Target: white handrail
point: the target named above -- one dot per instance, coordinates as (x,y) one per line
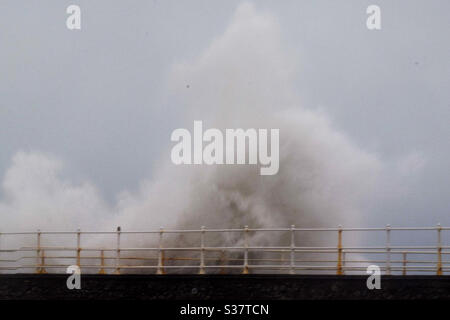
(236,255)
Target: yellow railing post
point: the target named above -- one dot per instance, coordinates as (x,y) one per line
(118,251)
(292,257)
(339,261)
(78,248)
(42,270)
(102,262)
(388,249)
(38,252)
(343,261)
(404,264)
(160,269)
(439,250)
(163,261)
(202,251)
(223,261)
(245,270)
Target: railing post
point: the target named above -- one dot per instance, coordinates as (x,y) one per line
(118,251)
(102,262)
(42,262)
(78,248)
(292,267)
(245,270)
(202,251)
(404,264)
(38,252)
(222,262)
(0,243)
(388,249)
(439,250)
(339,261)
(160,269)
(343,261)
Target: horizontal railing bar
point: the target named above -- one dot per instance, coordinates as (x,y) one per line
(345,249)
(226,230)
(304,267)
(217,258)
(371,250)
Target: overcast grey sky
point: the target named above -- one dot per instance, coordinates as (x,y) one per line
(96,97)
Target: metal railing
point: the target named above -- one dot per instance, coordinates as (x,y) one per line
(227,251)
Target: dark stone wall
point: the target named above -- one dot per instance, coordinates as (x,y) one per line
(221,287)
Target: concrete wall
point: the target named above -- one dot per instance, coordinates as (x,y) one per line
(216,287)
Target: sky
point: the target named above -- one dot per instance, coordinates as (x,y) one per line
(96,97)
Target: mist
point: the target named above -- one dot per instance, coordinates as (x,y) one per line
(243,79)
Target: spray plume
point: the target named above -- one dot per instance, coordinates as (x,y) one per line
(244,79)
